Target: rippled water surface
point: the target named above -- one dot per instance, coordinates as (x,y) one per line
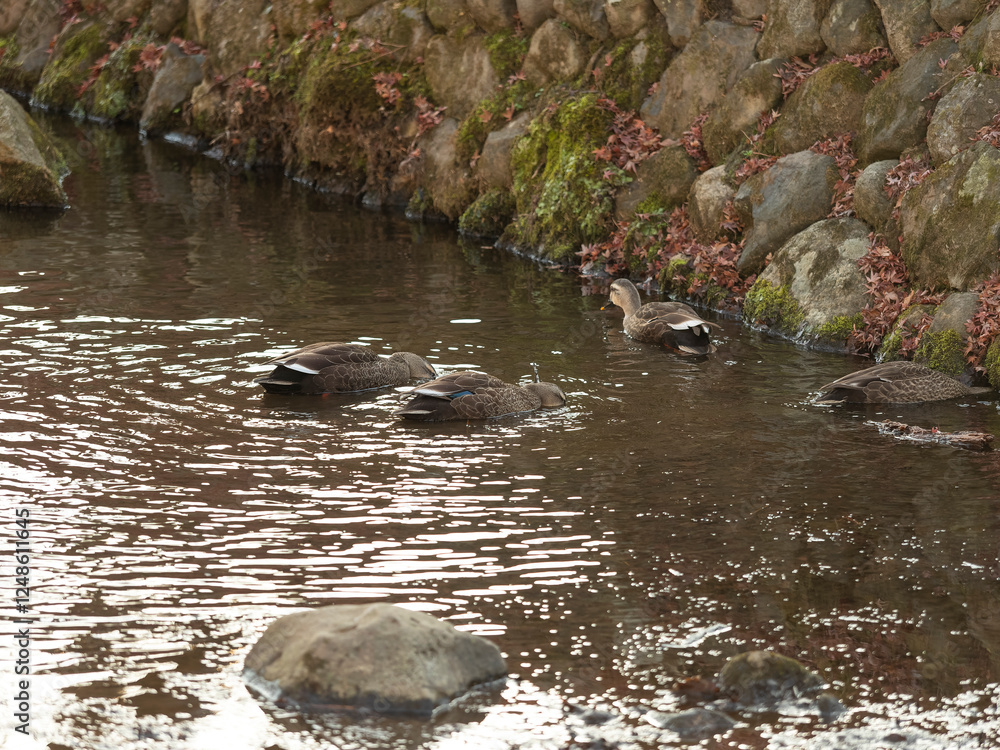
(676,512)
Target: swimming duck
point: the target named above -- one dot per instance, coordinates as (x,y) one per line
(894,383)
(330,367)
(476,395)
(672,324)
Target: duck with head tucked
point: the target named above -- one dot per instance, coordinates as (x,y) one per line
(894,383)
(672,324)
(331,367)
(476,395)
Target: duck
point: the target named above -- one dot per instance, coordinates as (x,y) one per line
(900,382)
(477,395)
(672,324)
(333,367)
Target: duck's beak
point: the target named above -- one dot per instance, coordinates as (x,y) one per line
(608,304)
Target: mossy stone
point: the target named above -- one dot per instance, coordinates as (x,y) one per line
(892,344)
(631,68)
(120,91)
(773,306)
(488,215)
(942,352)
(992,363)
(70,66)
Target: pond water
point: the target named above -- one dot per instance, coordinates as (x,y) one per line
(676,512)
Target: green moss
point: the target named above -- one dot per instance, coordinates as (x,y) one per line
(773,306)
(11,75)
(66,72)
(120,91)
(839,328)
(489,214)
(419,205)
(942,351)
(564,196)
(892,344)
(653,204)
(992,363)
(630,69)
(507,51)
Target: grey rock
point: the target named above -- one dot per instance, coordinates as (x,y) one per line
(989,41)
(872,204)
(734,119)
(828,103)
(906,23)
(493,15)
(533,13)
(293,17)
(951,222)
(695,723)
(445,178)
(895,112)
(555,53)
(707,203)
(699,76)
(749,10)
(27,177)
(459,72)
(970,105)
(765,678)
(950,13)
(683,18)
(794,193)
(627,17)
(792,28)
(493,168)
(852,27)
(448,15)
(175,80)
(586,16)
(235,32)
(406,28)
(666,176)
(819,265)
(40,23)
(11,14)
(373,656)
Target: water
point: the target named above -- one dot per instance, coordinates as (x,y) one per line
(676,512)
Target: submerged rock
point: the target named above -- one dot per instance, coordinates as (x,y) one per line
(951,221)
(28,169)
(693,724)
(795,192)
(370,656)
(765,678)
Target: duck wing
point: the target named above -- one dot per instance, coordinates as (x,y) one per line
(458,384)
(311,359)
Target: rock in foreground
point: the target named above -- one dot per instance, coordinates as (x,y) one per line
(374,656)
(26,179)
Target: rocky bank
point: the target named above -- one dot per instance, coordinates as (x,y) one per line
(828,170)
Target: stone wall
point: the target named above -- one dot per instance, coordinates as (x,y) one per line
(740,151)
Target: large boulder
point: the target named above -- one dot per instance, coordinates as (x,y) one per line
(39,24)
(792,28)
(871,202)
(951,221)
(852,27)
(166,17)
(782,201)
(970,105)
(368,656)
(292,18)
(896,111)
(459,72)
(906,23)
(586,16)
(175,80)
(235,32)
(707,201)
(28,169)
(765,678)
(950,13)
(735,118)
(493,15)
(819,268)
(662,182)
(446,178)
(448,15)
(627,17)
(683,18)
(942,346)
(700,76)
(405,28)
(829,102)
(555,53)
(533,13)
(76,49)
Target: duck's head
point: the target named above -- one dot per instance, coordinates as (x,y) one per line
(623,294)
(550,394)
(419,367)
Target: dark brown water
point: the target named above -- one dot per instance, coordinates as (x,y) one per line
(676,512)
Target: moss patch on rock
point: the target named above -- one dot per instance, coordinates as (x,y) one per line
(11,76)
(839,328)
(630,69)
(565,197)
(70,67)
(489,214)
(492,114)
(507,51)
(992,363)
(942,351)
(773,306)
(120,91)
